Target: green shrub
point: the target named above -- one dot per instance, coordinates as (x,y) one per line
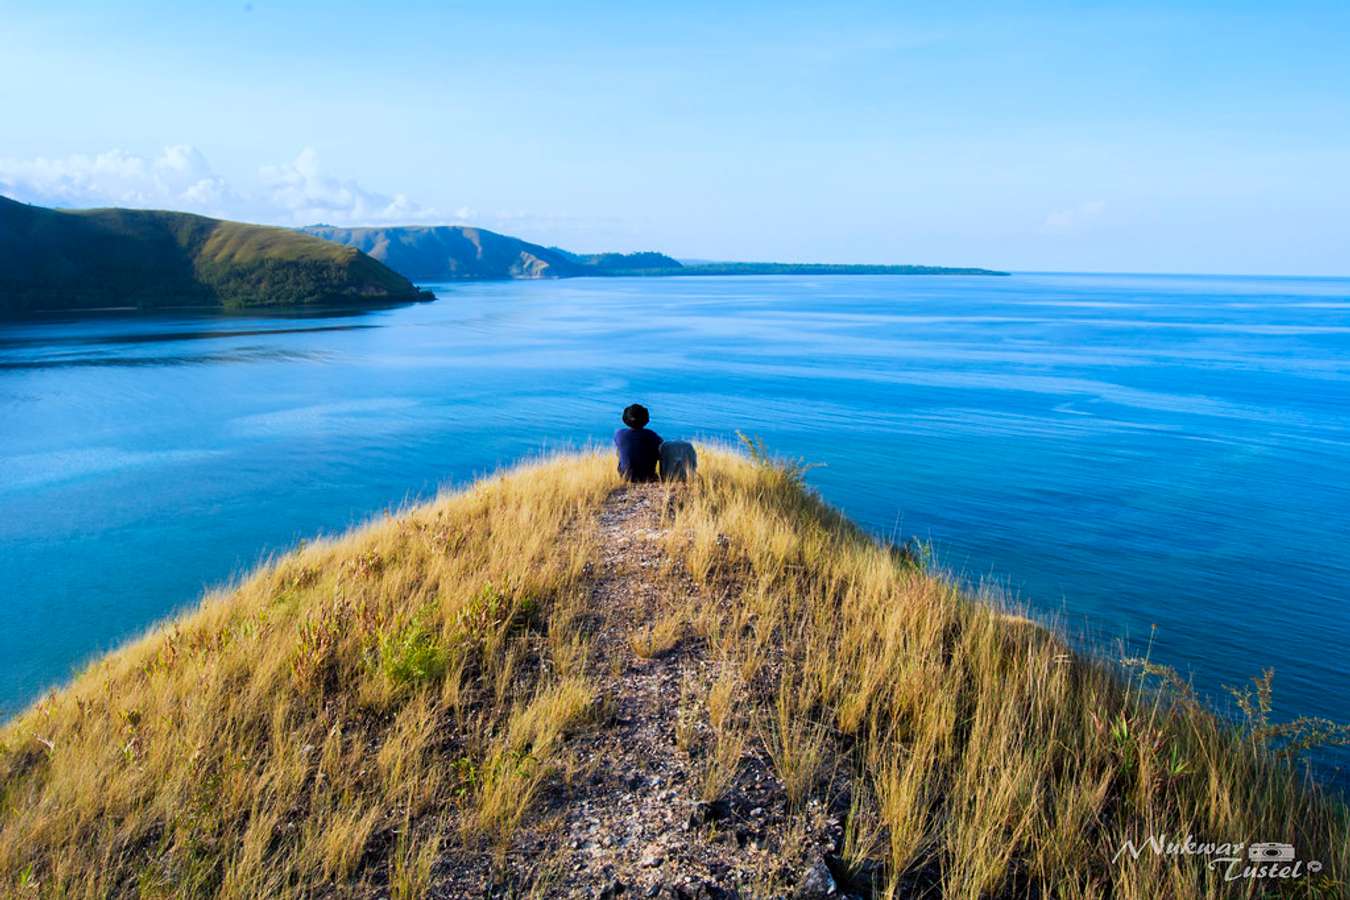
(412,655)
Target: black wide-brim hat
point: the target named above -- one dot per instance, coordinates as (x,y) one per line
(635,416)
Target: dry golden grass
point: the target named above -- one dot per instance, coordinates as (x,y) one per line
(718,764)
(345,715)
(985,759)
(658,637)
(367,706)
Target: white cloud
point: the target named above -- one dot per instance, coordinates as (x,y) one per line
(1075,217)
(301,192)
(180,177)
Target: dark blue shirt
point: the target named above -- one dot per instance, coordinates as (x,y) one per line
(639,451)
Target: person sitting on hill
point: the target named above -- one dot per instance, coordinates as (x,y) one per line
(639,447)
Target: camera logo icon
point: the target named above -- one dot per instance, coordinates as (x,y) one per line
(1271,852)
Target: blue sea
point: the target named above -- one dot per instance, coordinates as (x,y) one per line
(1143,458)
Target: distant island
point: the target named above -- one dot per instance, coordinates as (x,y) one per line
(60,260)
(458,252)
(772,268)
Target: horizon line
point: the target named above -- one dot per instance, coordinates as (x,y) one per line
(693,261)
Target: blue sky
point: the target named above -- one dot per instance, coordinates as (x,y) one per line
(1094,137)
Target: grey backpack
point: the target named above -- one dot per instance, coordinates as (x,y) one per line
(678,460)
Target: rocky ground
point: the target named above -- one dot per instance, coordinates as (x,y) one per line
(635,819)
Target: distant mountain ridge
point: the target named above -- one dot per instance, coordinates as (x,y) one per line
(52,260)
(460,252)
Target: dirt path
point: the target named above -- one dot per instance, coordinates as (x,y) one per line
(626,826)
(631,824)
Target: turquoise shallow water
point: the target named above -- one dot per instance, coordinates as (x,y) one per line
(1123,451)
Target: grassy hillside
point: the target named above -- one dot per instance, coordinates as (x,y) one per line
(82,259)
(452,252)
(414,709)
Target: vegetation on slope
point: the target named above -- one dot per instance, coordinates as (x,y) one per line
(628,262)
(368,711)
(84,259)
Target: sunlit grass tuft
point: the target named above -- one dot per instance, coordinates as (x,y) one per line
(659,637)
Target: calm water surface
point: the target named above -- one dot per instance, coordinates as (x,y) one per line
(1121,450)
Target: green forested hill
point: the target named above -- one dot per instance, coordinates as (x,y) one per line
(87,259)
